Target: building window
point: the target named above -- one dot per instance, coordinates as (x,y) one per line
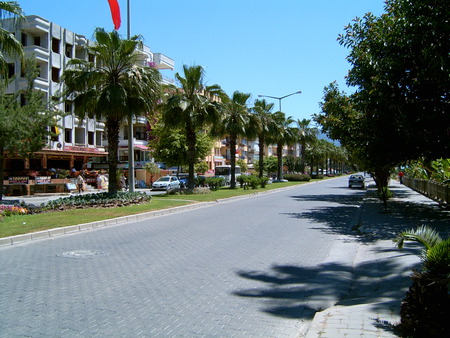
(68,107)
(11,69)
(55,45)
(98,138)
(140,133)
(55,133)
(55,74)
(24,39)
(91,138)
(68,136)
(37,41)
(69,49)
(91,58)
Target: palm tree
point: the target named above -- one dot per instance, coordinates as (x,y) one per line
(282,134)
(113,88)
(193,107)
(234,123)
(261,121)
(307,136)
(9,46)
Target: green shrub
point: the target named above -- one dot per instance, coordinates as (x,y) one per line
(297,177)
(424,310)
(215,183)
(263,181)
(317,176)
(104,199)
(249,181)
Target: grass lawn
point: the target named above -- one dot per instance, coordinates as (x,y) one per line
(22,224)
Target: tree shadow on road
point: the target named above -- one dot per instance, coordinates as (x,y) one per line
(371,221)
(298,292)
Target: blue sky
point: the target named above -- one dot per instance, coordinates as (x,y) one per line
(262,47)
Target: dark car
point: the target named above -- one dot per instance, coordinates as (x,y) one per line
(356,181)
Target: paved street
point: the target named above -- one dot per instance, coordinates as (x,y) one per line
(259,266)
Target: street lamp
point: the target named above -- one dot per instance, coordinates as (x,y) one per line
(280,98)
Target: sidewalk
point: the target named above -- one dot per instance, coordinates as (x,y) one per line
(381,271)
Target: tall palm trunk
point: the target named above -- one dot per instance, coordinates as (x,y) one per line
(113,146)
(191,140)
(261,140)
(280,161)
(2,169)
(233,161)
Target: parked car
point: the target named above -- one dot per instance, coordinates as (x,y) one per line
(183,178)
(356,180)
(166,183)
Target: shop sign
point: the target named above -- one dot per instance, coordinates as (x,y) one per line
(18,180)
(83,149)
(43,180)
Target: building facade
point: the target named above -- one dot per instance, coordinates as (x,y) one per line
(79,143)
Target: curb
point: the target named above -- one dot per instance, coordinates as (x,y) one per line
(45,234)
(19,239)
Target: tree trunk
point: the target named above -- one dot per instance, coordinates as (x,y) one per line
(113,146)
(280,161)
(233,161)
(2,169)
(261,156)
(191,140)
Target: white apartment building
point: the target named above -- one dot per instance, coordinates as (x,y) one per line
(79,142)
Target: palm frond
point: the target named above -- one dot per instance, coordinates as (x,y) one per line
(422,234)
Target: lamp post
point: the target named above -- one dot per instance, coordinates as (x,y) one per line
(280,98)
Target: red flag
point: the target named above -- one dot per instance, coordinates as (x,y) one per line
(115,13)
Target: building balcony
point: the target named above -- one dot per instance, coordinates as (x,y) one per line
(35,24)
(41,53)
(163,62)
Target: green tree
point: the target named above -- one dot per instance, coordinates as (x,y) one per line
(112,88)
(153,169)
(24,128)
(234,123)
(261,121)
(306,136)
(170,147)
(283,133)
(192,108)
(400,68)
(243,165)
(270,166)
(201,167)
(9,45)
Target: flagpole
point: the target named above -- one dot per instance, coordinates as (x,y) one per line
(130,124)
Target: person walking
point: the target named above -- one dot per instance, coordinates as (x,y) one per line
(400,176)
(80,183)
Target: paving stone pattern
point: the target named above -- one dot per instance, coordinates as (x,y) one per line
(260,266)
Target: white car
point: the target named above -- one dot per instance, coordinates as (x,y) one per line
(166,183)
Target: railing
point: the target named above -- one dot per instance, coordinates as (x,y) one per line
(433,190)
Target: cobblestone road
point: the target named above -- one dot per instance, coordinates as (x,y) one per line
(252,267)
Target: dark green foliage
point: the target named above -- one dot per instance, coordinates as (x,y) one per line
(215,183)
(99,200)
(297,177)
(424,311)
(252,181)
